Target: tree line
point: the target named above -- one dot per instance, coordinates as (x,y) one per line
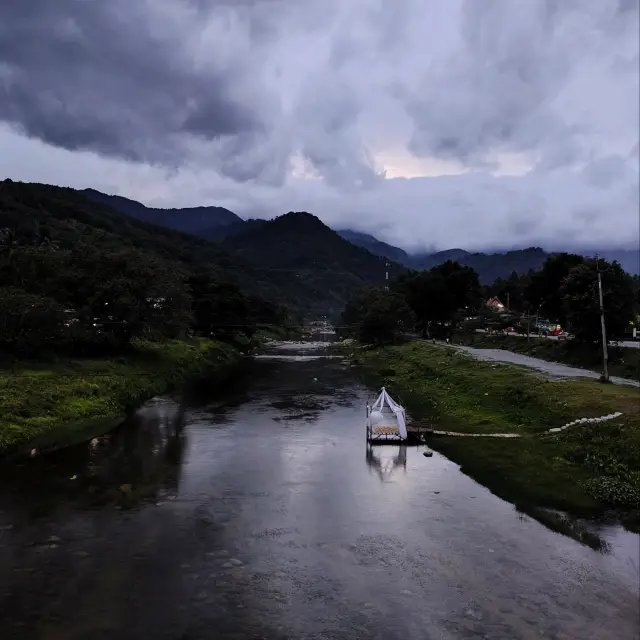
(439,301)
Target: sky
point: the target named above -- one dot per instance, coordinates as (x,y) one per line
(430,123)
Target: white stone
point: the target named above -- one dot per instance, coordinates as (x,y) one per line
(556,430)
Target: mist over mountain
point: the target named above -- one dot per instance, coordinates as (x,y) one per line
(220,224)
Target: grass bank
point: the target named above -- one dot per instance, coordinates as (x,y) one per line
(52,404)
(585,470)
(624,362)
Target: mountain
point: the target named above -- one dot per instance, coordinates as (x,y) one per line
(317,267)
(491,266)
(629,259)
(375,246)
(219,225)
(293,260)
(64,249)
(430,260)
(206,222)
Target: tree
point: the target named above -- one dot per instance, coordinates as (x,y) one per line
(462,284)
(137,294)
(377,316)
(30,322)
(580,299)
(441,295)
(543,290)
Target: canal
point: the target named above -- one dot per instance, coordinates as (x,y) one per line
(263,514)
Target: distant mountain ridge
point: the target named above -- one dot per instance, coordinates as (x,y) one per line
(206,222)
(375,246)
(220,225)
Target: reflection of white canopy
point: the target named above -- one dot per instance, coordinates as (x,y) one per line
(385,401)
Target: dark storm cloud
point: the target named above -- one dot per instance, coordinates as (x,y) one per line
(114,78)
(445,123)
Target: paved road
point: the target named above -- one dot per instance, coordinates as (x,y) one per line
(552,368)
(266,516)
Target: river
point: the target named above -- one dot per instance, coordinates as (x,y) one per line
(264,515)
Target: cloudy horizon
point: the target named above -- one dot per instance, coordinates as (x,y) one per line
(430,125)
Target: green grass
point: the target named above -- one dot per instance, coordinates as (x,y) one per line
(585,470)
(624,362)
(50,404)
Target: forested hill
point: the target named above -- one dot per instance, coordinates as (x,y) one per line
(308,259)
(73,270)
(294,261)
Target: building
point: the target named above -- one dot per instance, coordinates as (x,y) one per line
(495,305)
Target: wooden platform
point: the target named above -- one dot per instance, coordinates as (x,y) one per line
(415,434)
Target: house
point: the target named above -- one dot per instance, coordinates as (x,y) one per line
(495,305)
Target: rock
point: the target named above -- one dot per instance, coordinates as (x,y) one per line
(427,454)
(227,565)
(556,430)
(81,554)
(54,539)
(235,562)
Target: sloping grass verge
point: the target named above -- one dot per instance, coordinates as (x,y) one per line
(586,470)
(51,404)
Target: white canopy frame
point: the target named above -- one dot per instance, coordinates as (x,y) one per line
(379,414)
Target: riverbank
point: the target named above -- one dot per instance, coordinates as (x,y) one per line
(52,404)
(585,470)
(623,361)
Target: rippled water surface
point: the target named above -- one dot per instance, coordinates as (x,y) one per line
(265,515)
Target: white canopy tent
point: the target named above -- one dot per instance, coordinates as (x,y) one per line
(386,418)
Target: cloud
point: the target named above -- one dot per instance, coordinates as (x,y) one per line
(474,124)
(126,81)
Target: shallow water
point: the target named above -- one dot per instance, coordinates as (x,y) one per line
(266,516)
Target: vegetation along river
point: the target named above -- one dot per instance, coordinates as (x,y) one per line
(265,515)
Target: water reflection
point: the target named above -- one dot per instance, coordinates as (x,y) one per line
(380,462)
(142,459)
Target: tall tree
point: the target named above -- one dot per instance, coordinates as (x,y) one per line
(580,298)
(28,322)
(440,295)
(543,291)
(377,316)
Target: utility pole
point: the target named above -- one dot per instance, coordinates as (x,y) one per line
(386,276)
(605,355)
(528,323)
